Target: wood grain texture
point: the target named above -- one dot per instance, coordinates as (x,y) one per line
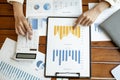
(104,54)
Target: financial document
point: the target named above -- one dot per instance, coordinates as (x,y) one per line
(96,33)
(44,8)
(11,69)
(54,7)
(67,47)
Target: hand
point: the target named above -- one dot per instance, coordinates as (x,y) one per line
(22,26)
(87,18)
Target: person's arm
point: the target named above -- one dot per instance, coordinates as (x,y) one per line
(88,17)
(113,2)
(22,26)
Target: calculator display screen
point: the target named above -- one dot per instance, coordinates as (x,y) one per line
(26,55)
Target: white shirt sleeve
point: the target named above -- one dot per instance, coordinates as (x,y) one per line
(20,1)
(113,2)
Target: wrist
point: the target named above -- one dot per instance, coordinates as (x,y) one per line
(17,9)
(100,7)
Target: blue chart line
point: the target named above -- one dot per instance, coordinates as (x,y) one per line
(65,55)
(14,73)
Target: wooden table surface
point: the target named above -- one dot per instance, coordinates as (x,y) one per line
(104,54)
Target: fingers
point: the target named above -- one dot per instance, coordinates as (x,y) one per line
(83,20)
(78,21)
(29,29)
(22,27)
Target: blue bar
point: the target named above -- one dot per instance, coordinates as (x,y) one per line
(69,52)
(2,67)
(0,63)
(15,72)
(20,74)
(75,55)
(30,78)
(34,78)
(59,57)
(66,55)
(10,74)
(35,24)
(79,56)
(9,70)
(6,69)
(26,76)
(56,52)
(53,55)
(62,55)
(72,55)
(23,74)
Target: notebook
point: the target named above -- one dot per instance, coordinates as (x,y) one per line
(112,27)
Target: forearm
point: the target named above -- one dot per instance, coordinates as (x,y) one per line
(17,9)
(102,6)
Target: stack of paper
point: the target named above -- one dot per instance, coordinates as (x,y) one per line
(11,69)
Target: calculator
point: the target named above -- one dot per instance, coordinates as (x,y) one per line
(27,49)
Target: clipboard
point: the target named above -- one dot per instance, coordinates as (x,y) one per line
(68,50)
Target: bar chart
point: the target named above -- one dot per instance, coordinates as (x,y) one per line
(97,28)
(64,31)
(13,73)
(66,55)
(60,4)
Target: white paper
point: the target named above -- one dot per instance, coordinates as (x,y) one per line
(96,33)
(44,8)
(67,51)
(54,7)
(11,69)
(116,72)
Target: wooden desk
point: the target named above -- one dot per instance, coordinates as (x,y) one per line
(103,59)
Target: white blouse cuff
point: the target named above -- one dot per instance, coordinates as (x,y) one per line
(20,1)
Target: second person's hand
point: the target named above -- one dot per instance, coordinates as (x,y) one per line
(88,17)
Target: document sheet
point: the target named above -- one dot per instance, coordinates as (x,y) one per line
(11,69)
(68,50)
(44,8)
(97,34)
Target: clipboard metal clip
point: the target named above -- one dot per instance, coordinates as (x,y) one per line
(67,74)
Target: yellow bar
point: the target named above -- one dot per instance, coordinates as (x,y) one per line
(55,30)
(78,31)
(67,29)
(63,28)
(60,32)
